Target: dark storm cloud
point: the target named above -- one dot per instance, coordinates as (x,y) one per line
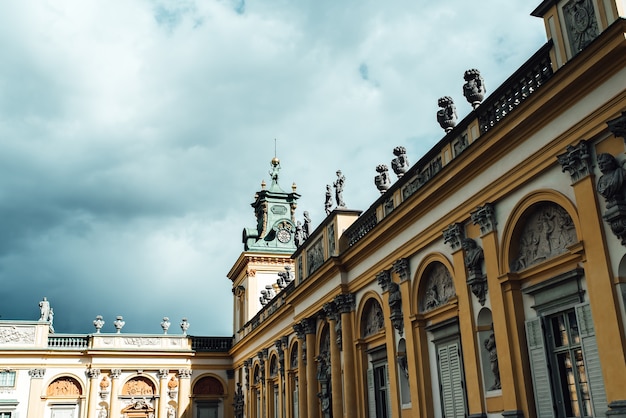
(134,134)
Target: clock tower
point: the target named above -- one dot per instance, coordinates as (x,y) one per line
(267,250)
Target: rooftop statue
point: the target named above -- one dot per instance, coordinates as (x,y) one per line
(328,204)
(400,164)
(446,116)
(338,184)
(44,309)
(382,180)
(474,87)
(306,228)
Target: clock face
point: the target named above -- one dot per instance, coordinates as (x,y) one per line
(283,235)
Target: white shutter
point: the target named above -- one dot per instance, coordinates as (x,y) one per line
(451,380)
(371,393)
(592,359)
(539,368)
(388,391)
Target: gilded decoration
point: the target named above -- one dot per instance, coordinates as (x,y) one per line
(437,289)
(372,320)
(64,386)
(545,232)
(208,385)
(138,386)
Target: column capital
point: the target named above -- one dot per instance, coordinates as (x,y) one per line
(618,126)
(402,268)
(453,235)
(332,310)
(92,373)
(163,373)
(384,278)
(576,160)
(299,330)
(309,325)
(485,217)
(184,374)
(115,373)
(345,302)
(37,373)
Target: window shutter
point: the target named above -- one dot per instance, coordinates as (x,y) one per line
(592,359)
(451,380)
(388,391)
(371,393)
(539,368)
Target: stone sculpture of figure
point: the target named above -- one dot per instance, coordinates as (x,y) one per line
(611,182)
(263,297)
(382,180)
(473,257)
(474,87)
(328,204)
(338,184)
(44,308)
(395,299)
(172,384)
(275,170)
(490,345)
(298,237)
(104,384)
(306,229)
(400,164)
(446,116)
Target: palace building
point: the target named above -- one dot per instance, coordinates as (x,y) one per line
(487,280)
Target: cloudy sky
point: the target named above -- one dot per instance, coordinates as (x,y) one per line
(134,134)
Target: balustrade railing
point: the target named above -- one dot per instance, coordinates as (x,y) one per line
(69,342)
(211,344)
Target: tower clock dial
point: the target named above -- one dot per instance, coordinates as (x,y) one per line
(283,235)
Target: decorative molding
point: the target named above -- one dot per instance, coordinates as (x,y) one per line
(576,160)
(485,217)
(454,235)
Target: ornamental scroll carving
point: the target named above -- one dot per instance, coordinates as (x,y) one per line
(372,320)
(546,232)
(64,386)
(138,386)
(437,289)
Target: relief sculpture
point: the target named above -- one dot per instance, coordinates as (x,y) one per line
(438,288)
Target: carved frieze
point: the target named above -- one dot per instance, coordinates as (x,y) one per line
(485,217)
(437,289)
(372,320)
(576,160)
(11,334)
(315,256)
(547,231)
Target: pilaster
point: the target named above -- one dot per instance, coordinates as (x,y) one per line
(93,398)
(385,283)
(184,392)
(114,403)
(473,381)
(35,405)
(332,313)
(162,375)
(603,296)
(310,328)
(302,374)
(345,302)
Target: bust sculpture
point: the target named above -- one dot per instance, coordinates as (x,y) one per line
(611,182)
